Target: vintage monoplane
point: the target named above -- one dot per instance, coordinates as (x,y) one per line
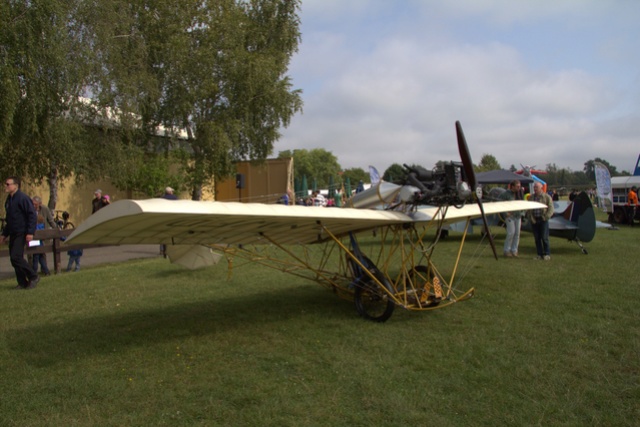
(325,244)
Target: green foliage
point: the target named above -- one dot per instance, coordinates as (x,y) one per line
(213,74)
(487,163)
(394,173)
(356,175)
(565,177)
(318,164)
(147,176)
(216,72)
(589,169)
(42,73)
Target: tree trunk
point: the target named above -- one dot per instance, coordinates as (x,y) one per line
(53,188)
(196,189)
(196,192)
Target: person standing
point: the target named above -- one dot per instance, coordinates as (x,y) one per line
(74,257)
(96,203)
(632,200)
(168,194)
(21,220)
(337,198)
(40,259)
(49,223)
(540,221)
(512,221)
(44,211)
(283,200)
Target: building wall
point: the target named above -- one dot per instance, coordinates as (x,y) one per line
(76,198)
(264,183)
(72,197)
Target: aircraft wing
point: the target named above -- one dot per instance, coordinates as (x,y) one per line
(191,222)
(472,210)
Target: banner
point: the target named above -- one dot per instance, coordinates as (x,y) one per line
(374,175)
(603,183)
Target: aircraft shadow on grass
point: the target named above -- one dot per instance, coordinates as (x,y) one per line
(67,342)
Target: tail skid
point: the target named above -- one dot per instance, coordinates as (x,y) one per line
(579,243)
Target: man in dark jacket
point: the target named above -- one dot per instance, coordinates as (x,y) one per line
(20,225)
(168,194)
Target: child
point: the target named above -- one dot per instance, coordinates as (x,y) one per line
(74,256)
(40,258)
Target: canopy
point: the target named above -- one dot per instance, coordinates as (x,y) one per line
(501,176)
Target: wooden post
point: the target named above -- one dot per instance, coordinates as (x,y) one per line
(55,246)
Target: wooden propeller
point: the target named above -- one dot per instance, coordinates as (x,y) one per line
(470,177)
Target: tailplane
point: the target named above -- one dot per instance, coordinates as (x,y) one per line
(581,213)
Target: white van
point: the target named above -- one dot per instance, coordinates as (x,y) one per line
(620,186)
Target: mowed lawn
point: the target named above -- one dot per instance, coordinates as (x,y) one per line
(146,343)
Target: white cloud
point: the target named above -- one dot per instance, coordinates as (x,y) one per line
(394,98)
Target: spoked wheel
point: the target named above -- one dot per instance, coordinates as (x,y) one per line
(429,283)
(372,302)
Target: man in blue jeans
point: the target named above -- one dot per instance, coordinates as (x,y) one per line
(512,221)
(20,225)
(540,221)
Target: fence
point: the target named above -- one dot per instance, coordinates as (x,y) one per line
(52,244)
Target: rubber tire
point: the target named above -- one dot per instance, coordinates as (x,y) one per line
(373,303)
(353,267)
(619,215)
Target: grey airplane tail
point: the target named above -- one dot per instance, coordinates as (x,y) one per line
(576,223)
(580,212)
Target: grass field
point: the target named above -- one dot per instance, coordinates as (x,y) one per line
(146,343)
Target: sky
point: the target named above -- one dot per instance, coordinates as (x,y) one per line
(533,82)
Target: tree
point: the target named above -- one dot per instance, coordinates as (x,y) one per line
(215,71)
(317,163)
(145,175)
(487,163)
(553,175)
(590,171)
(394,173)
(43,72)
(356,175)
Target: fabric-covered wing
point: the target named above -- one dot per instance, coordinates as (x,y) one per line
(472,210)
(190,222)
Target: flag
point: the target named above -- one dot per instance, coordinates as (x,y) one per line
(374,175)
(603,183)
